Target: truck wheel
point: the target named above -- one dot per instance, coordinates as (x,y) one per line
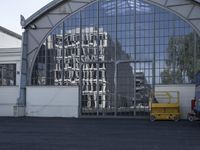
(152,118)
(176,118)
(190,118)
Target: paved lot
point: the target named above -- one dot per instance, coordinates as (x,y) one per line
(97,134)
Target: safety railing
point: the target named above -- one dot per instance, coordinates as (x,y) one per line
(167,96)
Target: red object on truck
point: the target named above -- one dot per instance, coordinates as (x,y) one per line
(192,104)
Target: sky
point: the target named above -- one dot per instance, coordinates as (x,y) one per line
(10,11)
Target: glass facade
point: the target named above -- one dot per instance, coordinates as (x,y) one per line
(7,74)
(116,51)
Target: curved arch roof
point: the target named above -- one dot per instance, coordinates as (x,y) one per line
(40,24)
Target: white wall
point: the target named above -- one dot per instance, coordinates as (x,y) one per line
(8,98)
(187,92)
(10,52)
(52,101)
(8,41)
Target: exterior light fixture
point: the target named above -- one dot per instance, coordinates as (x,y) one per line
(33,26)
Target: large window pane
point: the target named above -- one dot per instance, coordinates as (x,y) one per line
(7,74)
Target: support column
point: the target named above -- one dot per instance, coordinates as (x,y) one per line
(19,108)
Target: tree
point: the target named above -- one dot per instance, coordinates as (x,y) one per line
(180,61)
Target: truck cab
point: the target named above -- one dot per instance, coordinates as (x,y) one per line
(195,110)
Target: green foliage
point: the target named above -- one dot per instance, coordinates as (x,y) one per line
(180,62)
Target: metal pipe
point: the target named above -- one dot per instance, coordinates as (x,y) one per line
(97,65)
(63,48)
(46,48)
(80,69)
(154,55)
(115,59)
(134,78)
(195,55)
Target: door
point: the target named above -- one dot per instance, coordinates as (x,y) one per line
(133,89)
(119,89)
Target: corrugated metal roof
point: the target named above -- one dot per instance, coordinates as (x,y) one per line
(11,33)
(41,12)
(198,1)
(52,5)
(47,8)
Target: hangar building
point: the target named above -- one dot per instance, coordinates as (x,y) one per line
(103,58)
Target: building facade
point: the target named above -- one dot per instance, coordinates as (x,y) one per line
(10,62)
(115,52)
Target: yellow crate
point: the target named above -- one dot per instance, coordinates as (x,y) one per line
(169,110)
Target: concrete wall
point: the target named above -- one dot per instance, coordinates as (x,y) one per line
(52,101)
(63,101)
(187,92)
(8,98)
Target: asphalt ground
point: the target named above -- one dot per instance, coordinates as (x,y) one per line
(97,134)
